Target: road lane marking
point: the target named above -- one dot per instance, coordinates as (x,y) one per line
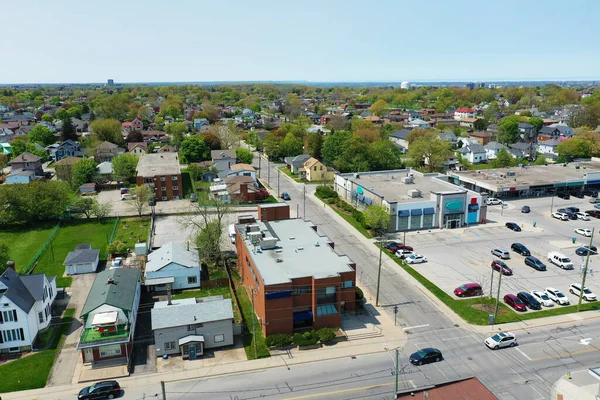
(565,355)
(460,337)
(415,327)
(308,396)
(524,355)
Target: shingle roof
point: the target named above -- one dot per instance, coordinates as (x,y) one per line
(82,256)
(241,167)
(297,160)
(181,313)
(35,284)
(401,134)
(113,287)
(26,157)
(172,253)
(216,154)
(551,142)
(494,146)
(17,291)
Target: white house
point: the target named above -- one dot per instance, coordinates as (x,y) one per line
(475,153)
(20,176)
(464,112)
(548,146)
(175,264)
(25,308)
(241,169)
(83,260)
(420,124)
(492,149)
(400,138)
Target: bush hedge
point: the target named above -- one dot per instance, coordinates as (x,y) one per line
(117,247)
(278,340)
(359,294)
(326,192)
(326,335)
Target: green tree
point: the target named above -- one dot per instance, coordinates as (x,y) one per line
(429,151)
(115,106)
(255,108)
(314,144)
(3,160)
(580,146)
(47,118)
(68,130)
(290,146)
(208,242)
(271,145)
(83,205)
(34,201)
(124,166)
(18,146)
(540,159)
(377,218)
(41,134)
(4,257)
(193,149)
(480,124)
(83,171)
(503,159)
(101,210)
(141,195)
(386,130)
(379,107)
(177,132)
(354,156)
(537,122)
(333,145)
(384,155)
(509,129)
(107,130)
(244,155)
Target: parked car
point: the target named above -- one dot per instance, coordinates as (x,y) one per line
(520,249)
(492,201)
(525,209)
(575,289)
(593,213)
(513,226)
(573,209)
(499,340)
(127,196)
(591,193)
(583,232)
(393,247)
(426,356)
(285,196)
(514,302)
(594,200)
(563,195)
(415,259)
(561,216)
(403,253)
(468,290)
(529,301)
(583,250)
(582,216)
(100,390)
(560,260)
(542,297)
(569,213)
(124,190)
(597,206)
(498,265)
(501,253)
(579,195)
(535,263)
(557,296)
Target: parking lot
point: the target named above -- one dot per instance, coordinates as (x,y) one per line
(463,255)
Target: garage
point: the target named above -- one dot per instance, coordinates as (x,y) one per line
(83,260)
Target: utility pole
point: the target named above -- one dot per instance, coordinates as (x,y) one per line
(396,386)
(278,173)
(298,210)
(552,204)
(259,158)
(164,392)
(304,196)
(379,270)
(587,261)
(269,172)
(395,315)
(498,296)
(254,324)
(492,284)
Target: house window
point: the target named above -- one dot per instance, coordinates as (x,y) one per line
(13,335)
(347,284)
(219,338)
(403,223)
(164,188)
(169,345)
(10,316)
(298,290)
(328,309)
(191,328)
(164,198)
(321,168)
(111,350)
(50,291)
(199,325)
(162,179)
(175,187)
(174,178)
(315,168)
(428,221)
(41,317)
(192,280)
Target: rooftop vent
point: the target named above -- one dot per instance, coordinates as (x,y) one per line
(280,260)
(292,237)
(317,244)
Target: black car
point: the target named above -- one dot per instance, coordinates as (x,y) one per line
(593,213)
(569,213)
(513,226)
(565,196)
(426,356)
(572,209)
(101,390)
(525,209)
(589,192)
(583,250)
(520,249)
(285,196)
(535,263)
(579,195)
(529,301)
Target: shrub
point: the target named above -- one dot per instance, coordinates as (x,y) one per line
(306,339)
(358,216)
(326,192)
(326,335)
(117,247)
(359,294)
(278,340)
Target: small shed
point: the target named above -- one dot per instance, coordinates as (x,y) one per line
(83,260)
(141,249)
(87,188)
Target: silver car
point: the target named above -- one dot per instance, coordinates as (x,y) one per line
(499,340)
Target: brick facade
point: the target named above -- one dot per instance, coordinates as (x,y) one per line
(171,184)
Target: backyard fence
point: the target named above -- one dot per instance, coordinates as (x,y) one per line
(114,231)
(31,265)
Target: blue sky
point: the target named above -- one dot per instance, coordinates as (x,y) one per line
(76,41)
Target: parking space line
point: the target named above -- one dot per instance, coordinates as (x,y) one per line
(415,327)
(523,353)
(441,372)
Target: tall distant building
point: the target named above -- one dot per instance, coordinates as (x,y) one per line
(470,85)
(405,85)
(110,82)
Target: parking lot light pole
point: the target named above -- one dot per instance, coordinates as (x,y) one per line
(379,270)
(587,261)
(498,296)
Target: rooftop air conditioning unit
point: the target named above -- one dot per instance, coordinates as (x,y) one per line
(357,176)
(255,237)
(268,243)
(253,228)
(510,173)
(407,179)
(414,193)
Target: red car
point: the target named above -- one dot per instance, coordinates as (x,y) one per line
(514,302)
(498,265)
(393,247)
(468,290)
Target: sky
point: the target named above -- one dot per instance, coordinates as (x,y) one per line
(74,41)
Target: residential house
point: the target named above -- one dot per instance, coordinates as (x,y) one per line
(494,129)
(242,192)
(166,149)
(241,169)
(87,189)
(492,149)
(187,327)
(419,124)
(24,168)
(400,138)
(295,163)
(468,122)
(475,153)
(482,138)
(296,278)
(200,122)
(83,260)
(528,132)
(137,148)
(135,125)
(173,264)
(25,308)
(5,149)
(109,317)
(105,169)
(548,146)
(464,112)
(106,151)
(155,137)
(522,149)
(222,160)
(316,171)
(162,173)
(554,131)
(64,168)
(68,148)
(449,137)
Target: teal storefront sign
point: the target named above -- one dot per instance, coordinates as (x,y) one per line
(359,190)
(453,206)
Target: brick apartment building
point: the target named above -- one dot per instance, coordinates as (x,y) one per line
(161,172)
(296,277)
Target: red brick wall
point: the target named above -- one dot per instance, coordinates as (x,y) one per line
(124,352)
(168,184)
(273,213)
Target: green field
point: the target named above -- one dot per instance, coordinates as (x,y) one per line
(132,230)
(24,241)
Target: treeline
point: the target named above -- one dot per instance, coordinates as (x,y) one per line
(35,201)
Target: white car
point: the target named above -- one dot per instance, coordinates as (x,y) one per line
(127,196)
(557,296)
(415,259)
(499,340)
(583,216)
(583,232)
(403,253)
(492,201)
(542,297)
(561,216)
(575,289)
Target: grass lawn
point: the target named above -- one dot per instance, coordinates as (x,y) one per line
(24,241)
(249,338)
(32,371)
(186,184)
(217,273)
(203,185)
(132,230)
(70,234)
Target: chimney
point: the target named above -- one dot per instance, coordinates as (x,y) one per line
(169,295)
(11,265)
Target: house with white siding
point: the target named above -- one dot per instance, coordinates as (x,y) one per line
(174,264)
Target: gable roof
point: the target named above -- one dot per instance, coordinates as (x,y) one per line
(67,161)
(216,154)
(35,284)
(465,110)
(472,148)
(26,157)
(241,167)
(525,125)
(17,292)
(133,145)
(297,160)
(551,142)
(238,179)
(107,146)
(115,287)
(401,134)
(494,146)
(177,253)
(310,162)
(482,134)
(448,136)
(520,146)
(81,256)
(190,311)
